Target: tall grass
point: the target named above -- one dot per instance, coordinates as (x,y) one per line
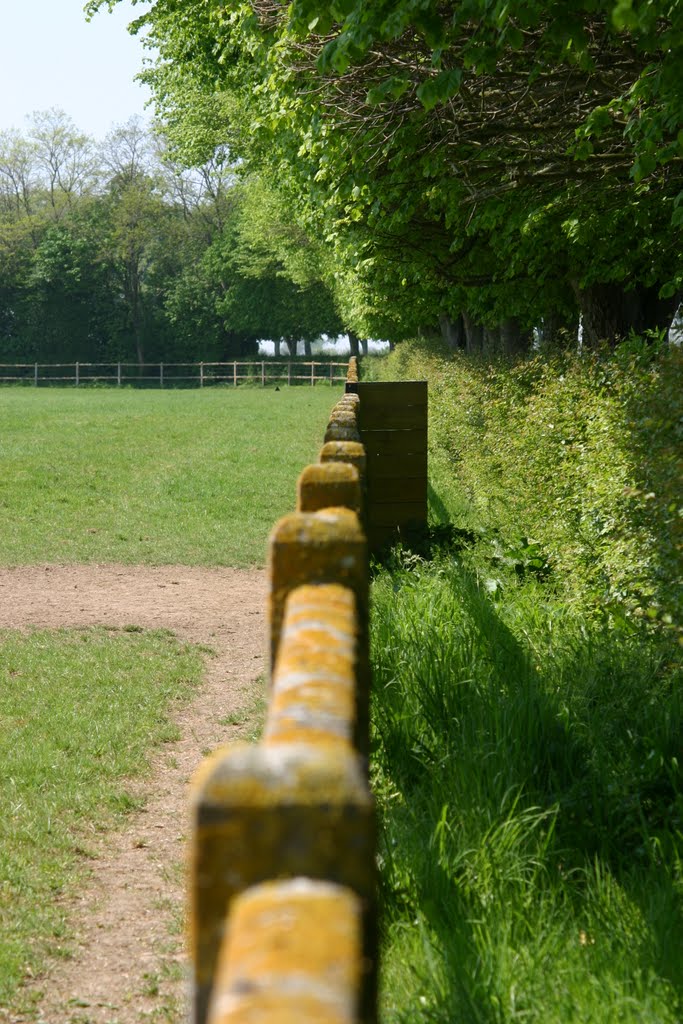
(526,756)
(528,769)
(188,477)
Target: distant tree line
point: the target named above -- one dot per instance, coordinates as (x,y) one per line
(116,251)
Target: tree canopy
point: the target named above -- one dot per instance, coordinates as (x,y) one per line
(495,159)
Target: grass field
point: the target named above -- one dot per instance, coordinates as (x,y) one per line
(184,477)
(187,477)
(79,712)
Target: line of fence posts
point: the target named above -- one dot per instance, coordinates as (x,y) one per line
(205,373)
(283,919)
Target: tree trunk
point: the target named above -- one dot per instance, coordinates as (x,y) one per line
(514,340)
(474,335)
(292,346)
(307,349)
(492,342)
(559,332)
(353,344)
(363,342)
(452,331)
(609,313)
(277,342)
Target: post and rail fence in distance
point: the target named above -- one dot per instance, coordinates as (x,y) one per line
(197,374)
(282,879)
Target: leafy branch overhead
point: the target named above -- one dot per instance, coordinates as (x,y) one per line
(450,146)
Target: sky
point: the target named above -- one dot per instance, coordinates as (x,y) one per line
(50,56)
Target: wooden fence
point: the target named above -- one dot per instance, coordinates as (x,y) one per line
(283,922)
(234,373)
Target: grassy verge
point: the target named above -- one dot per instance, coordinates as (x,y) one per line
(195,477)
(528,725)
(80,711)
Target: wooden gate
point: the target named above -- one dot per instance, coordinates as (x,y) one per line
(393,429)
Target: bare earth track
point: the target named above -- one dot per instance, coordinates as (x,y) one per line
(125,967)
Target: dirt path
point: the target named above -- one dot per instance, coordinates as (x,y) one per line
(128,964)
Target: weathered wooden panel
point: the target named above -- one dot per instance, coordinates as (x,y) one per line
(390,442)
(397,490)
(398,416)
(409,392)
(393,423)
(381,466)
(398,513)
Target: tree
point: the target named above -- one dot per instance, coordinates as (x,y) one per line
(65,158)
(448,151)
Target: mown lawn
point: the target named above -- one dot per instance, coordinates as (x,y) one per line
(186,477)
(80,710)
(195,478)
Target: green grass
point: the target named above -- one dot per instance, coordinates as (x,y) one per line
(79,714)
(528,701)
(528,771)
(187,477)
(137,477)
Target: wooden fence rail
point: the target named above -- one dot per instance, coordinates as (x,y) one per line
(283,920)
(233,373)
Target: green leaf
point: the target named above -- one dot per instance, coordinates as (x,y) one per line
(623,16)
(392,87)
(514,38)
(644,164)
(439,89)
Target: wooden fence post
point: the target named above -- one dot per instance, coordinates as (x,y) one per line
(161,375)
(275,810)
(329,485)
(77,375)
(201,375)
(118,375)
(234,373)
(327,546)
(274,939)
(35,375)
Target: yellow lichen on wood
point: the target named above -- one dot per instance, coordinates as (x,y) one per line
(276,810)
(292,953)
(332,484)
(315,679)
(342,426)
(352,452)
(348,401)
(328,546)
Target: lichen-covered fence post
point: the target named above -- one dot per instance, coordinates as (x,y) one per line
(282,869)
(274,967)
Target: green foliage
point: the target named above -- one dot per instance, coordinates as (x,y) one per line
(528,697)
(446,155)
(138,257)
(80,713)
(580,453)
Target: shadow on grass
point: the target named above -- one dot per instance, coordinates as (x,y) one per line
(536,759)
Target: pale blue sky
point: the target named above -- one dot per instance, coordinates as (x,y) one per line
(51,57)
